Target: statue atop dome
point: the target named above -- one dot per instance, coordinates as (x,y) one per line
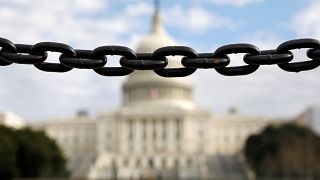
(157,24)
(157,5)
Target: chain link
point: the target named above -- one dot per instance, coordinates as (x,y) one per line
(23,55)
(237,48)
(173,51)
(82,60)
(144,61)
(6,46)
(158,61)
(298,44)
(41,48)
(103,51)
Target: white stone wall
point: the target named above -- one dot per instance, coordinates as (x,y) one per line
(231,132)
(76,137)
(137,140)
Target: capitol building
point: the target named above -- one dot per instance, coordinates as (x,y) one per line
(158,132)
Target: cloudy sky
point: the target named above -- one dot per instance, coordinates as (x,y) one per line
(202,24)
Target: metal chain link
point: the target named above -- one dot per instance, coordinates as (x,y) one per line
(157,61)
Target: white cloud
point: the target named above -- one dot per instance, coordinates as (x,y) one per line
(139,8)
(197,19)
(307,21)
(239,3)
(34,94)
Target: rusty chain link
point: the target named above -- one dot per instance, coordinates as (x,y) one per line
(157,61)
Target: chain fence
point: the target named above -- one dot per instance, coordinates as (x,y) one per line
(157,61)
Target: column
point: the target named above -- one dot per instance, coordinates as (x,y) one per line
(138,140)
(171,134)
(158,134)
(124,130)
(149,135)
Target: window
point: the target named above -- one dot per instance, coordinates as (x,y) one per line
(189,162)
(108,147)
(163,162)
(144,129)
(226,139)
(108,135)
(178,128)
(176,163)
(126,163)
(164,129)
(154,134)
(151,164)
(138,163)
(130,129)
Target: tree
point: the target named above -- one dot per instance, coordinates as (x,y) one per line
(8,151)
(31,153)
(285,151)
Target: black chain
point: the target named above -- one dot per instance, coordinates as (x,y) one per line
(157,61)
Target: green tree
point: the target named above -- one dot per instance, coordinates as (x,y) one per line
(31,154)
(8,149)
(285,151)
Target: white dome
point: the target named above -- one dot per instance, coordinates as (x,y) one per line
(146,88)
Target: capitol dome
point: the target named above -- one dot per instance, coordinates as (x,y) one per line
(146,88)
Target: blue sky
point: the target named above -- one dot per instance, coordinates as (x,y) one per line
(266,16)
(201,24)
